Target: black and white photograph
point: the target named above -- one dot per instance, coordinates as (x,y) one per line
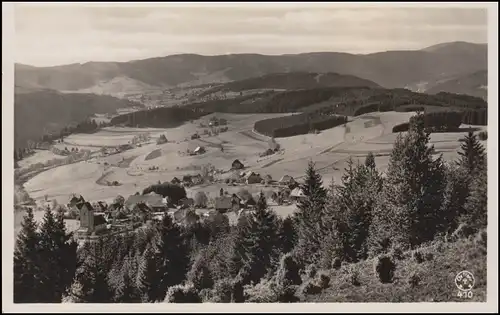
(211,153)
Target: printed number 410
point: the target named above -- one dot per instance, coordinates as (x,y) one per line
(465,294)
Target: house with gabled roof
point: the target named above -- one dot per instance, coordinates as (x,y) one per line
(154,201)
(226,203)
(286,180)
(297,194)
(237,165)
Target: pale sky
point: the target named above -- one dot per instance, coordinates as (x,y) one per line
(49,35)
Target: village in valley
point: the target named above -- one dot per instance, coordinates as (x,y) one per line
(240,187)
(125,215)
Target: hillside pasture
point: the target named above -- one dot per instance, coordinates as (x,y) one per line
(330,150)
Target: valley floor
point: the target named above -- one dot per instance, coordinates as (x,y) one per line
(329,149)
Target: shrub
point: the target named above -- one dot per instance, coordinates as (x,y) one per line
(353,275)
(323,280)
(414,279)
(182,294)
(310,287)
(200,199)
(483,135)
(418,256)
(311,271)
(336,263)
(429,256)
(384,268)
(397,253)
(263,292)
(222,291)
(206,295)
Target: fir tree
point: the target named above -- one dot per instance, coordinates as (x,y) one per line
(257,244)
(476,206)
(308,216)
(149,272)
(173,257)
(57,257)
(457,191)
(287,235)
(26,272)
(200,275)
(408,211)
(370,161)
(95,261)
(472,154)
(124,283)
(331,245)
(356,199)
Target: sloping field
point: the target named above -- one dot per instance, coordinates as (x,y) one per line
(329,149)
(40,156)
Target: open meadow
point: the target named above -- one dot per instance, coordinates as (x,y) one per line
(149,163)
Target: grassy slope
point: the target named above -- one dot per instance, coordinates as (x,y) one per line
(437,278)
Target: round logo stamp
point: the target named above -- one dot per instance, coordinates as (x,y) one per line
(465,281)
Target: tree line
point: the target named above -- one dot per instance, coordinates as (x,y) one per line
(447,120)
(419,200)
(158,117)
(288,126)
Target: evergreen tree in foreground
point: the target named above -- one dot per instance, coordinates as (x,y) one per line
(357,195)
(57,257)
(407,212)
(457,191)
(472,154)
(257,244)
(287,235)
(171,256)
(95,261)
(122,279)
(309,216)
(476,206)
(26,273)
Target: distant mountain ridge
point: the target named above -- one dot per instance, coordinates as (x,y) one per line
(390,69)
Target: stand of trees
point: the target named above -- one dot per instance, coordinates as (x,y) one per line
(297,124)
(260,259)
(447,120)
(158,117)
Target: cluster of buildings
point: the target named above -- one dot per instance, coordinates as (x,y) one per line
(100,219)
